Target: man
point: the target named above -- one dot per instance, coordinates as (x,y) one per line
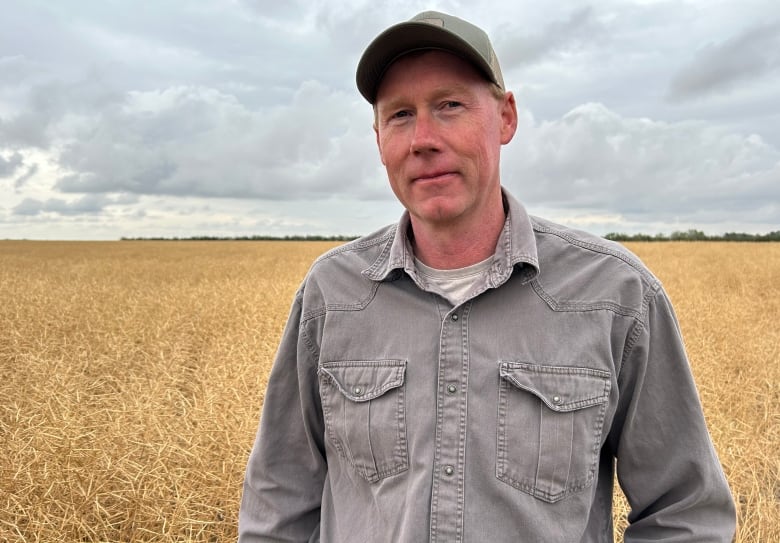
(471,373)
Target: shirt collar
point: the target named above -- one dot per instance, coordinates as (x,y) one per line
(515,250)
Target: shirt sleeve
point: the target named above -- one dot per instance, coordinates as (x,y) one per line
(666,463)
(286,469)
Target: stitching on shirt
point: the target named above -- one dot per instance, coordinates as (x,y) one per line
(372,465)
(397,365)
(383,256)
(358,244)
(356,306)
(532,367)
(528,484)
(598,248)
(603,305)
(640,325)
(462,441)
(580,403)
(521,257)
(313,349)
(651,283)
(360,304)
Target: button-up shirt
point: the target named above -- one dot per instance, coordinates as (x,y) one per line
(391,415)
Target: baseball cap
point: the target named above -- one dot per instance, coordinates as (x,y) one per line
(426,30)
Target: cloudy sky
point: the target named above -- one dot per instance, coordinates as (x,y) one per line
(241,117)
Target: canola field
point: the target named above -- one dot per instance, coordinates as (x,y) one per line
(132,376)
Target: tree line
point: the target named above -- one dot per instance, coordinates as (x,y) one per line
(243,238)
(695,235)
(688,235)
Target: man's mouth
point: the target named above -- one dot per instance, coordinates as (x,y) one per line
(433,176)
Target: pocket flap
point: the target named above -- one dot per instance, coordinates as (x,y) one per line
(363,380)
(561,388)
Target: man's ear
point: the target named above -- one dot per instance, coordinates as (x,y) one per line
(379,145)
(508,118)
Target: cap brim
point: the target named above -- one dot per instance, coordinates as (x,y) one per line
(405,38)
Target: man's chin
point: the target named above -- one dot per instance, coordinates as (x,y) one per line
(439,215)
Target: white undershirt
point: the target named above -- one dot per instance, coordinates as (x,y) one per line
(454,285)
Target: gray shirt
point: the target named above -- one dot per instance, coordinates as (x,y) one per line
(391,415)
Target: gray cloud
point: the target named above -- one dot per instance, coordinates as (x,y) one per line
(52,106)
(26,176)
(595,159)
(8,166)
(557,37)
(89,204)
(719,67)
(195,141)
(273,10)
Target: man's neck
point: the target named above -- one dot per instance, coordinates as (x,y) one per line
(449,247)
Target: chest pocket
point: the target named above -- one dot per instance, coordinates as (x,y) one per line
(550,421)
(365,414)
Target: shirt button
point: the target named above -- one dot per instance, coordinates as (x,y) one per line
(357,391)
(449,470)
(452,389)
(454,317)
(556,400)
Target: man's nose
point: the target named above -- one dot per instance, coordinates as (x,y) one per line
(426,134)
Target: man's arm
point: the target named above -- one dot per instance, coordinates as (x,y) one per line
(666,464)
(287,467)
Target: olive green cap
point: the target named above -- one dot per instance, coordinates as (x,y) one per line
(427,30)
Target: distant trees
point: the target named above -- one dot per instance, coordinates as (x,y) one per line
(246,238)
(688,235)
(695,235)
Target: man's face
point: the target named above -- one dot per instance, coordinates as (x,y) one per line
(439,129)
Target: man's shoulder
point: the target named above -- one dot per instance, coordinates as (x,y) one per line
(336,277)
(585,245)
(353,254)
(578,268)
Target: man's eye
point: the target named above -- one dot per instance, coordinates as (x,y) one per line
(452,104)
(399,114)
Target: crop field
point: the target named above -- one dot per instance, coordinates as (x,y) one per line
(132,376)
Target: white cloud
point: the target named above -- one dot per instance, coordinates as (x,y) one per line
(198,141)
(595,159)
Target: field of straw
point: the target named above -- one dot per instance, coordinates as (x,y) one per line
(132,376)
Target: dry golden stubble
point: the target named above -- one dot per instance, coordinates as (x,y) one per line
(727,299)
(132,375)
